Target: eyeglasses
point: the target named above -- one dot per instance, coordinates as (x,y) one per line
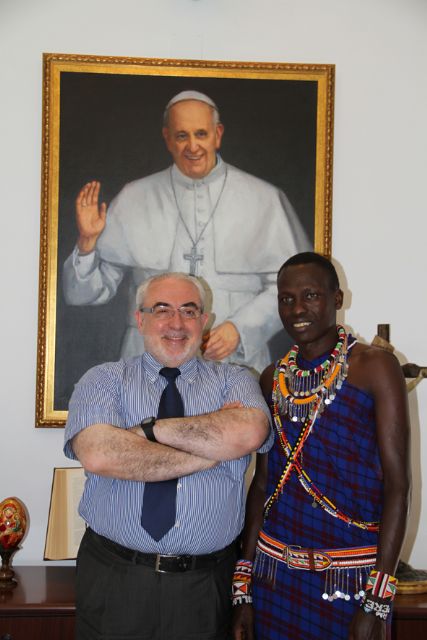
(166,312)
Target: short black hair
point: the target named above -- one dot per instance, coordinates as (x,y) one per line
(310,257)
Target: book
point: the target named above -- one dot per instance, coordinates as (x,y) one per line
(65,528)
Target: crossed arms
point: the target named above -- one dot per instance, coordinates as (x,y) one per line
(185,445)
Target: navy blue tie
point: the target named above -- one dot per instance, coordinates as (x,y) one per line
(159,506)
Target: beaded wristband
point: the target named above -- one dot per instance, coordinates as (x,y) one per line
(381,585)
(381,609)
(241,588)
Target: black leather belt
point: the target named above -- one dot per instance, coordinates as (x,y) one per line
(163,563)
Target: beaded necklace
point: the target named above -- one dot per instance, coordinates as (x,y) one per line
(300,390)
(303,401)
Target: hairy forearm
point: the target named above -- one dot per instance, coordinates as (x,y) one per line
(222,435)
(118,453)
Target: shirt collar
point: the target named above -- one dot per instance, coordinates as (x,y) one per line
(217,172)
(152,368)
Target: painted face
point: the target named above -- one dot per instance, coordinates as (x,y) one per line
(308,305)
(192,137)
(172,341)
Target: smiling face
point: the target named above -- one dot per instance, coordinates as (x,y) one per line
(192,137)
(172,341)
(307,307)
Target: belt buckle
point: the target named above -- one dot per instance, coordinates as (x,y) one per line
(289,548)
(157,568)
(159,557)
(323,559)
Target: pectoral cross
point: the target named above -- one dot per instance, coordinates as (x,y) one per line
(193,258)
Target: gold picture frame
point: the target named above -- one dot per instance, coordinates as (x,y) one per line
(102,120)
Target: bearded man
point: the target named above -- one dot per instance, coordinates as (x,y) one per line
(165,439)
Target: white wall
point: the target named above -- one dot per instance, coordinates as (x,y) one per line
(380,51)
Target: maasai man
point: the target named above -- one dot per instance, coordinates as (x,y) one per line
(327,508)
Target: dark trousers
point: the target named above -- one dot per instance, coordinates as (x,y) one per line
(118,599)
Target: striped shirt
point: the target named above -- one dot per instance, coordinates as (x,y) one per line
(210,503)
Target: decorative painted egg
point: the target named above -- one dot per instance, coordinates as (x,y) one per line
(13,523)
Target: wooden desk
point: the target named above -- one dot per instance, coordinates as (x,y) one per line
(41,607)
(410,617)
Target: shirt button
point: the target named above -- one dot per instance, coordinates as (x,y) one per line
(179,485)
(177,524)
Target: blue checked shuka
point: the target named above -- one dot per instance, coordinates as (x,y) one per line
(341,457)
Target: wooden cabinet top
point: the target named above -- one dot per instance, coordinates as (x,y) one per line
(51,589)
(41,588)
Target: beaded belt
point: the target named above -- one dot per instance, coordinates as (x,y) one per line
(336,564)
(316,559)
(163,563)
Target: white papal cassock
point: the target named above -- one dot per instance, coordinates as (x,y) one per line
(244,229)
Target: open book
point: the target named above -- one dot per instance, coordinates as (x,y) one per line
(65,528)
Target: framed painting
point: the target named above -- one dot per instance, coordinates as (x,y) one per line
(103,124)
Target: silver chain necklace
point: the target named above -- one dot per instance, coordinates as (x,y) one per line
(193,257)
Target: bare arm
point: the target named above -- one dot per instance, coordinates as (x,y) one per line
(384,380)
(379,373)
(221,435)
(393,433)
(255,507)
(110,451)
(243,615)
(257,491)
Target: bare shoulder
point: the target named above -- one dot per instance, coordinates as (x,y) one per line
(372,368)
(364,355)
(266,379)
